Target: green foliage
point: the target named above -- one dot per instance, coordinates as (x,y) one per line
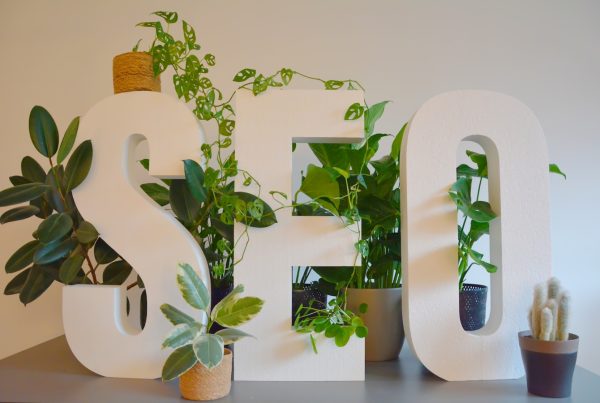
(63,239)
(190,338)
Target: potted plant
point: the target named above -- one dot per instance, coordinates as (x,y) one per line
(549,351)
(305,293)
(365,194)
(200,359)
(477,214)
(64,244)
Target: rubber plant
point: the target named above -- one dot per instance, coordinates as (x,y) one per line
(191,338)
(476,214)
(63,241)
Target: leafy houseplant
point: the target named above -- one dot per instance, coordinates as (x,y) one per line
(305,293)
(62,244)
(476,217)
(200,358)
(549,351)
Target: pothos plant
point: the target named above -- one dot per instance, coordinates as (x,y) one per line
(191,338)
(63,241)
(477,214)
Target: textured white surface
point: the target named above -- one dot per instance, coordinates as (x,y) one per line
(266,125)
(148,237)
(519,238)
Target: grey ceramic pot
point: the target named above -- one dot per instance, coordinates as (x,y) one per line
(383,318)
(549,365)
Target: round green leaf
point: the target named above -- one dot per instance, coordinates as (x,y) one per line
(22,193)
(209,350)
(116,273)
(43,131)
(70,268)
(79,165)
(68,140)
(55,227)
(37,282)
(179,362)
(103,253)
(18,213)
(15,285)
(22,258)
(32,171)
(53,251)
(86,233)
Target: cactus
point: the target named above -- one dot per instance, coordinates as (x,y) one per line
(562,332)
(549,315)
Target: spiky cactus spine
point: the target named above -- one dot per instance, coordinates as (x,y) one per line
(546,324)
(564,302)
(539,301)
(553,306)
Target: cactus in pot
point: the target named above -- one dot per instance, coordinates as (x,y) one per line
(549,315)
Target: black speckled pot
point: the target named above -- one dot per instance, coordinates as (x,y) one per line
(472,306)
(310,292)
(549,365)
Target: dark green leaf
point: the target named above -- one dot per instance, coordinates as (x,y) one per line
(184,204)
(38,281)
(79,165)
(363,308)
(556,170)
(192,288)
(18,213)
(156,192)
(331,155)
(190,36)
(210,59)
(194,177)
(320,186)
(143,308)
(244,74)
(397,143)
(15,285)
(86,233)
(259,85)
(22,193)
(55,227)
(53,251)
(68,140)
(466,171)
(268,217)
(179,362)
(70,268)
(355,111)
(335,275)
(32,171)
(17,180)
(481,161)
(481,211)
(333,84)
(43,131)
(22,258)
(169,16)
(103,253)
(116,273)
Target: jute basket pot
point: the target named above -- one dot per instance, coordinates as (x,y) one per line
(383,319)
(199,383)
(133,71)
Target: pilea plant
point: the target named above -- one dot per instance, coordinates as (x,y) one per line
(190,337)
(63,241)
(549,315)
(476,213)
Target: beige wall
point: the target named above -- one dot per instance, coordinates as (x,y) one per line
(544,52)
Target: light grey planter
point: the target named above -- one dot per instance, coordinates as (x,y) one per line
(383,318)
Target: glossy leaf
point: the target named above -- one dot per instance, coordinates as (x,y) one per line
(15,285)
(17,180)
(38,281)
(103,253)
(22,258)
(553,168)
(267,218)
(43,131)
(175,316)
(354,111)
(230,336)
(32,170)
(55,227)
(192,288)
(68,140)
(209,349)
(18,213)
(79,165)
(86,233)
(372,115)
(397,143)
(321,186)
(53,251)
(22,193)
(156,192)
(180,335)
(179,362)
(116,273)
(184,204)
(238,311)
(194,177)
(70,268)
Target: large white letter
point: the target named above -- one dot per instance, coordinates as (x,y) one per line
(520,238)
(149,238)
(266,126)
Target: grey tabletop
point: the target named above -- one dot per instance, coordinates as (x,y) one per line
(50,373)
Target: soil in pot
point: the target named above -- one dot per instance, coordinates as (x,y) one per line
(383,319)
(304,294)
(472,301)
(549,365)
(199,383)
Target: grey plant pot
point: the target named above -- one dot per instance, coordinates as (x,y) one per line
(549,365)
(383,319)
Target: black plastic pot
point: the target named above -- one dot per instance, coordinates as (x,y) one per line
(472,306)
(549,365)
(304,296)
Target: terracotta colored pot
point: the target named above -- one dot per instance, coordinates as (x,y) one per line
(199,383)
(549,365)
(383,319)
(133,71)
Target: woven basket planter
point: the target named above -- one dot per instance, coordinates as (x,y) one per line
(199,383)
(133,72)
